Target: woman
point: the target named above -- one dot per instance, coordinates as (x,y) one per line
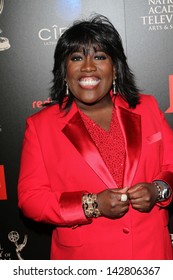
(98,162)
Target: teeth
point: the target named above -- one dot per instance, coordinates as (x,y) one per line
(88,82)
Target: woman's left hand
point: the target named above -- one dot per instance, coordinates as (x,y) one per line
(143,196)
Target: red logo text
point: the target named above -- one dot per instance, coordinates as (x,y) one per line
(3,193)
(170,109)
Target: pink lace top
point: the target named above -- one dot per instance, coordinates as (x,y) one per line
(110,145)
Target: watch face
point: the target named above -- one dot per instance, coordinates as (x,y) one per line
(165,193)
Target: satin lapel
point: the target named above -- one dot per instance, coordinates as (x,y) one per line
(78,135)
(131,127)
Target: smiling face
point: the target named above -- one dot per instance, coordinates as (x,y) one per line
(89,76)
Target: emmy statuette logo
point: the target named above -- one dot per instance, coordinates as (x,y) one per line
(13,236)
(4,42)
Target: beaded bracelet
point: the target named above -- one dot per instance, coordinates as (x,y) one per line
(90,205)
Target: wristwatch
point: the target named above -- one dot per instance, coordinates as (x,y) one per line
(164,190)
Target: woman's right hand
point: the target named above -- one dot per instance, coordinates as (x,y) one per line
(110,204)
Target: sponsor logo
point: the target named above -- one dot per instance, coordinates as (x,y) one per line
(170,109)
(39,103)
(3,193)
(50,35)
(159,15)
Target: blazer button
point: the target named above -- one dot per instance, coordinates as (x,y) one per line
(126,230)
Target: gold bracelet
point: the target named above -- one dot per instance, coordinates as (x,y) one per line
(90,205)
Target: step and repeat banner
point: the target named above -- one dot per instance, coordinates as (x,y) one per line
(28,34)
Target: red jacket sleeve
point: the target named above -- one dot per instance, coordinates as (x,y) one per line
(166,173)
(35,196)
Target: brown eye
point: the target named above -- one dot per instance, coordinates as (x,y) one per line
(76,57)
(100,57)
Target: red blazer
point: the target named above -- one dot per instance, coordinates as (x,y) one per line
(59,162)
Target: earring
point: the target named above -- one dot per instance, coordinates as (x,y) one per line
(67,90)
(114,88)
